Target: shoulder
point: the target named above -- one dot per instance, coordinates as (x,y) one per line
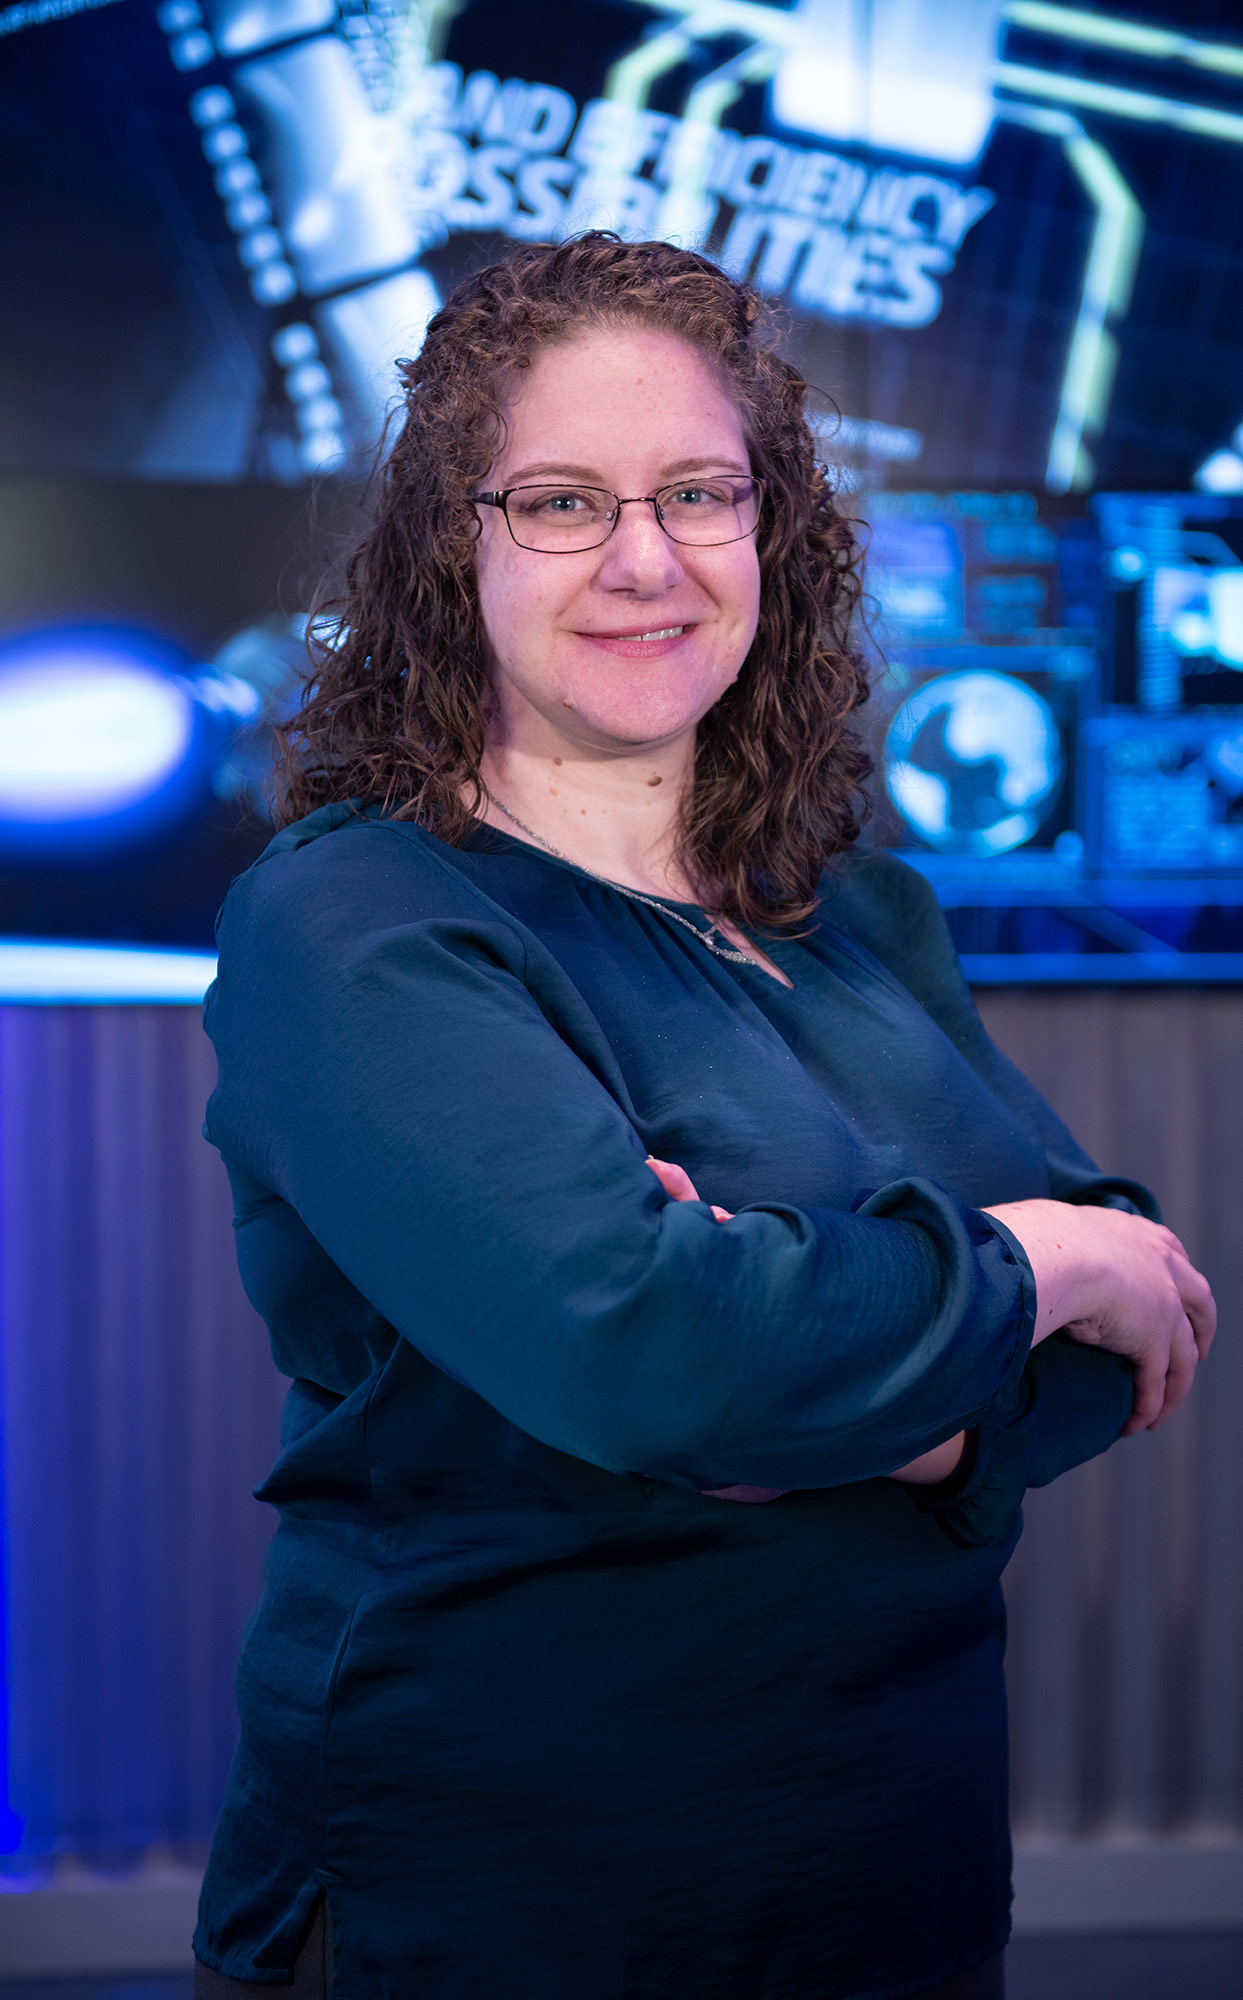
(891,909)
(332,890)
(881,881)
(350,857)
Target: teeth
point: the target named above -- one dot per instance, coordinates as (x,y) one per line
(669,632)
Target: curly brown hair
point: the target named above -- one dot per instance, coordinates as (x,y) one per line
(398,704)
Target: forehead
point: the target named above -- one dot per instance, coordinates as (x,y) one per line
(622,395)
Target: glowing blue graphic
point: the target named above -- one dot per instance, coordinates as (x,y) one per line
(1190,586)
(1202,609)
(973,762)
(1171,791)
(309,388)
(1222,471)
(900,76)
(915,573)
(35,972)
(864,437)
(34,13)
(331,165)
(377,150)
(88,729)
(260,247)
(270,663)
(242,25)
(366,331)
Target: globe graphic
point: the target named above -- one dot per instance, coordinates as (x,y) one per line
(973,762)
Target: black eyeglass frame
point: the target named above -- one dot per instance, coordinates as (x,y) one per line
(652,500)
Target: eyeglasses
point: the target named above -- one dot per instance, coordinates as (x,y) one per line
(564,520)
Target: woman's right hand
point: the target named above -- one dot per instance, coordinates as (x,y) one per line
(679,1186)
(1118,1281)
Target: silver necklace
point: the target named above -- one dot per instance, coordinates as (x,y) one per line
(705,937)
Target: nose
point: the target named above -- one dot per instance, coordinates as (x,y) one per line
(639,555)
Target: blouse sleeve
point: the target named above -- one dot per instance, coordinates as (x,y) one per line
(1070,1402)
(404,1076)
(1068,1405)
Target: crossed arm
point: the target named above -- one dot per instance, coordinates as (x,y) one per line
(1107,1278)
(612,1322)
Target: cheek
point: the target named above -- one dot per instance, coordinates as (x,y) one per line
(739,597)
(752,584)
(510,599)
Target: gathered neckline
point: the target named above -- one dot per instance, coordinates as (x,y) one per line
(588,874)
(778,977)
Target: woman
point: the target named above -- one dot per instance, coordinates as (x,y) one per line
(532,1707)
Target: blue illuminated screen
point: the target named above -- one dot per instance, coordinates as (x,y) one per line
(1058,725)
(1006,238)
(1006,243)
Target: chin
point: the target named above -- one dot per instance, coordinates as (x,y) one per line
(635,716)
(633,729)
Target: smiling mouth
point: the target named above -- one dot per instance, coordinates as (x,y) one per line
(643,638)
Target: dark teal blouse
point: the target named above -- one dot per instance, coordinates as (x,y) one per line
(543,1719)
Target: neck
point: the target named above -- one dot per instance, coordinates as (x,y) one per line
(616,815)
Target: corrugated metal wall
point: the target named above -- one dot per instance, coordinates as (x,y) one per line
(1126,1596)
(140,1407)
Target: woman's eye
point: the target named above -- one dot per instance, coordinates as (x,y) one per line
(700,496)
(558,503)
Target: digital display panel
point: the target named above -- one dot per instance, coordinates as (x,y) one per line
(1058,722)
(1006,242)
(1008,236)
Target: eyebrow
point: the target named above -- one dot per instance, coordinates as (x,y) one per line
(590,477)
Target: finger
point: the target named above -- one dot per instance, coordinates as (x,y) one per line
(1150,1373)
(722,1214)
(1184,1359)
(675,1180)
(1200,1307)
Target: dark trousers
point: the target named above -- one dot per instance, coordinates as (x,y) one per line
(312,1974)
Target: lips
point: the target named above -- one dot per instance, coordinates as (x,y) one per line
(641,638)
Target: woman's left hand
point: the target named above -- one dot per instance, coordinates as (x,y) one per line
(929,1469)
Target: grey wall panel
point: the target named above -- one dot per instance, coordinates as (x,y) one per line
(1126,1595)
(141,1406)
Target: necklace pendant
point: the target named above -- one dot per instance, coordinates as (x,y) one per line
(708,937)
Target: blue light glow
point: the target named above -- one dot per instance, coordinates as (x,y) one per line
(82,739)
(95,727)
(1221,472)
(37,973)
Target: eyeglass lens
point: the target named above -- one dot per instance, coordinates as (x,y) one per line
(701,512)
